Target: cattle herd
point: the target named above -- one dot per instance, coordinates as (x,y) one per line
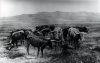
(52,36)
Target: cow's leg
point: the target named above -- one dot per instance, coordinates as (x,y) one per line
(70,41)
(55,46)
(42,48)
(16,43)
(75,43)
(38,51)
(79,38)
(42,52)
(78,44)
(22,42)
(28,48)
(60,46)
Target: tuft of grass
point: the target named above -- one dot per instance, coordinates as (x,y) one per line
(76,57)
(14,54)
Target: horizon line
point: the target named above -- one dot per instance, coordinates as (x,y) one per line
(47,11)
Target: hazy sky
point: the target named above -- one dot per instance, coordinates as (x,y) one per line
(17,7)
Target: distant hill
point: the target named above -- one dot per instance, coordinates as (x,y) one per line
(30,20)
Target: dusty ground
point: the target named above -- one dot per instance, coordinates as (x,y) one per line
(19,55)
(77,56)
(89,52)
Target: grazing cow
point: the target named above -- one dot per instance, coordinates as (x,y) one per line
(57,36)
(58,33)
(82,29)
(35,41)
(17,36)
(74,36)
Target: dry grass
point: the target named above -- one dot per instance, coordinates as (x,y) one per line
(15,54)
(83,55)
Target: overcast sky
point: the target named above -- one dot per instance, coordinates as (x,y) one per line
(17,7)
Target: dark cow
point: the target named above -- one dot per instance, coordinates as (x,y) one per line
(51,27)
(82,29)
(44,30)
(35,41)
(46,26)
(74,37)
(41,27)
(17,36)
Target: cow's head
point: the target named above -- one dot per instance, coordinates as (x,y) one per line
(9,46)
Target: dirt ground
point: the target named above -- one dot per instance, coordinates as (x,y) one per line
(89,52)
(19,55)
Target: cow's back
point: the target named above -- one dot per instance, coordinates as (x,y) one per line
(73,31)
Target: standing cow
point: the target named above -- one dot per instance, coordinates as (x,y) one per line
(17,36)
(74,37)
(83,30)
(38,42)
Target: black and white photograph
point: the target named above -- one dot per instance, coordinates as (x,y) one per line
(49,31)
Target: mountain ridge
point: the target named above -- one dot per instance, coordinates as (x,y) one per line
(57,17)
